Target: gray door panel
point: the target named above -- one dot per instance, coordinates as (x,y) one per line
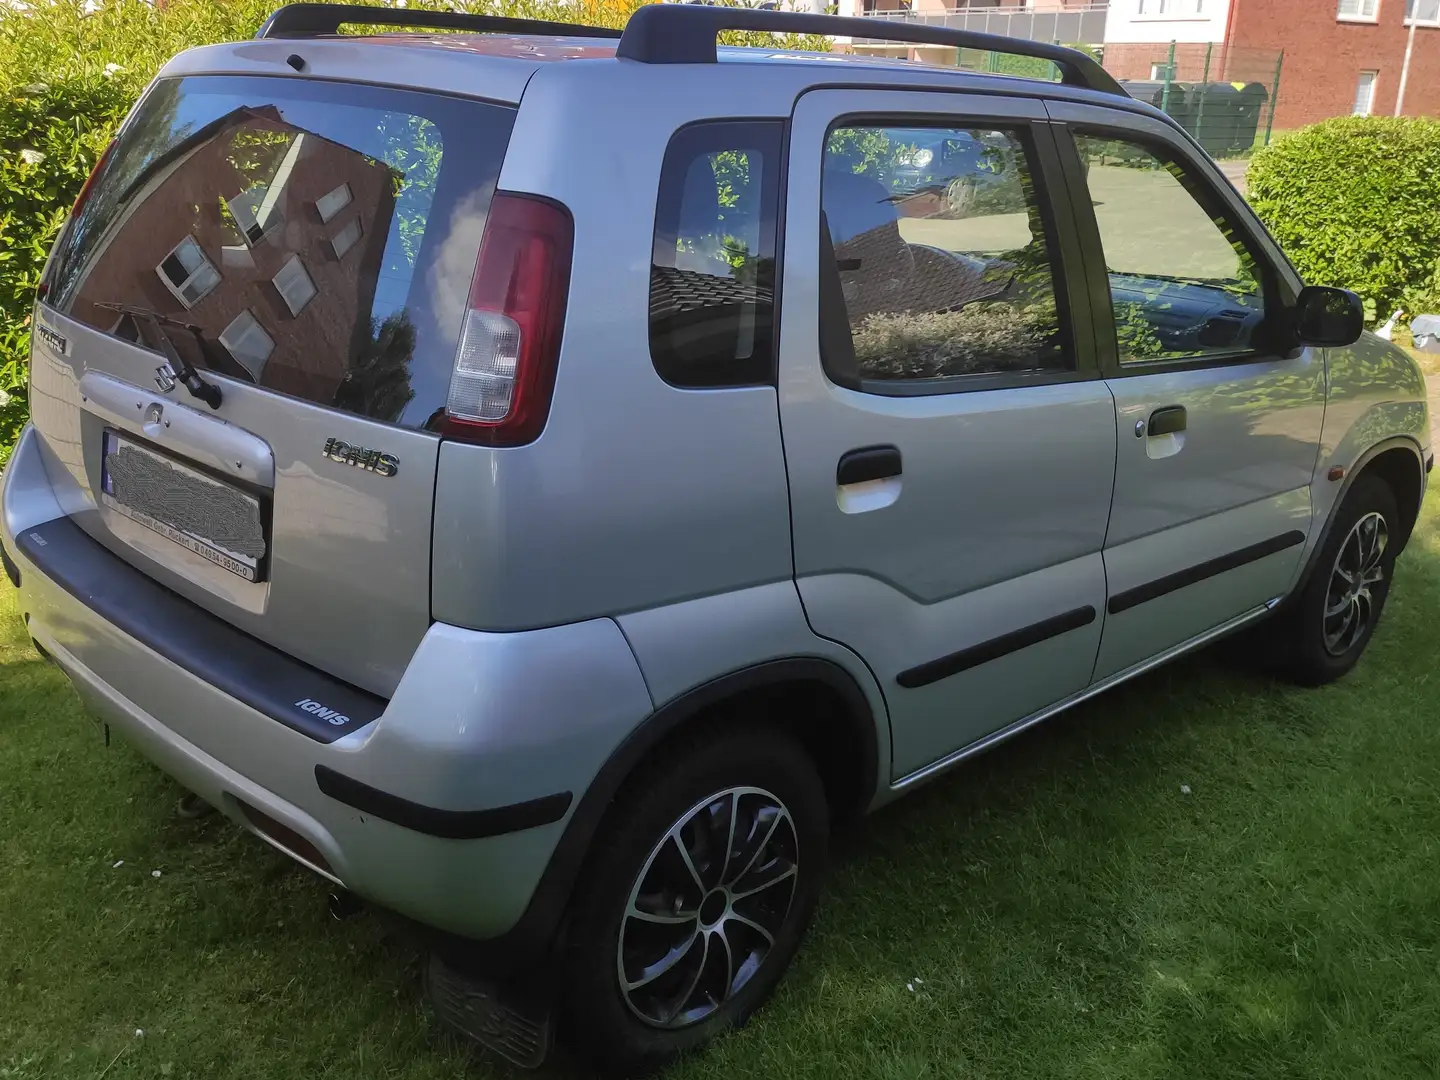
(1216,440)
(948,577)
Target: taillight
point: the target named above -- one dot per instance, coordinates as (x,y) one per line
(80,199)
(90,180)
(504,371)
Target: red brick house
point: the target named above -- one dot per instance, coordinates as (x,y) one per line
(1339,56)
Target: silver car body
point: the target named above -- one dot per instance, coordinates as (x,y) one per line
(523,617)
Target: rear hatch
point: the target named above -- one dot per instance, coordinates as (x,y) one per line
(306,247)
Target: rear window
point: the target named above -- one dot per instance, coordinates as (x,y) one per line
(317,239)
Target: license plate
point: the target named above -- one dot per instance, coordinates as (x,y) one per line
(213,519)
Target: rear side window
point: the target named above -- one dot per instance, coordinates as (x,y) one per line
(712,274)
(317,239)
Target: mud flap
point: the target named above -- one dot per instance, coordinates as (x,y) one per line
(515,1025)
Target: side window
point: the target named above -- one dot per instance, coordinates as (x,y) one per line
(712,273)
(935,260)
(1182,284)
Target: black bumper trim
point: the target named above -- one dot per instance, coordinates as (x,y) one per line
(1153,590)
(447,824)
(935,670)
(11,570)
(269,681)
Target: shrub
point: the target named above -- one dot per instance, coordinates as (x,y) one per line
(1355,202)
(69,72)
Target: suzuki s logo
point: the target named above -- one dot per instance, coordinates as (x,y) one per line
(362,457)
(314,708)
(165,378)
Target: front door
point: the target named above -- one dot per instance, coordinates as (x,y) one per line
(1218,419)
(949,440)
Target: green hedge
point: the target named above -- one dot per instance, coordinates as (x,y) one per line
(69,72)
(1355,202)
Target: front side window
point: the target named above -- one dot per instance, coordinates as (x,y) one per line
(1182,283)
(937,258)
(712,274)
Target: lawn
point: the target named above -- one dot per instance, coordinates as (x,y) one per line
(1201,875)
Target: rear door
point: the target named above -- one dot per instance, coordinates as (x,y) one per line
(949,441)
(1218,419)
(307,248)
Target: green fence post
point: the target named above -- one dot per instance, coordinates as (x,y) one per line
(1204,85)
(1169,78)
(1274,97)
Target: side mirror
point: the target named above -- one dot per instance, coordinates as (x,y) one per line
(1328,318)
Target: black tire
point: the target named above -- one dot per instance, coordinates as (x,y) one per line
(1312,648)
(599,1021)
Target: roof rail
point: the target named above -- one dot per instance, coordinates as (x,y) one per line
(685,34)
(311,20)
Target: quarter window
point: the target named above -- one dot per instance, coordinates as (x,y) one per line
(935,262)
(712,274)
(187,272)
(1182,283)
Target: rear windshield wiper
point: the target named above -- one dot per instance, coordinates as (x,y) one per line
(182,369)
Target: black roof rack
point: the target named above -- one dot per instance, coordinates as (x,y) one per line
(685,34)
(311,20)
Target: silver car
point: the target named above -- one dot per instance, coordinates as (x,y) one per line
(541,478)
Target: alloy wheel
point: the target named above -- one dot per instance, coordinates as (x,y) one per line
(707,907)
(1359,571)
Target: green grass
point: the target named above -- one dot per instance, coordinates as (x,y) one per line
(1061,907)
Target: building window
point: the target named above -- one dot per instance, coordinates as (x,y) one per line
(1365,94)
(246,340)
(1424,12)
(255,212)
(331,204)
(1162,72)
(187,272)
(346,238)
(295,286)
(1366,10)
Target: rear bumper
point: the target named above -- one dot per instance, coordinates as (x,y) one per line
(446,808)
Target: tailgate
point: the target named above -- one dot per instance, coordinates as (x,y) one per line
(304,248)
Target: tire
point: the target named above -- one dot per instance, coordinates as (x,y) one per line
(1325,631)
(761,779)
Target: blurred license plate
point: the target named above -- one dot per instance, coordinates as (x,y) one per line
(215,520)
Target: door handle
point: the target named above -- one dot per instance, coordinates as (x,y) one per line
(868,463)
(1166,421)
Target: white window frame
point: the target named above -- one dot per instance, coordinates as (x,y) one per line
(345,235)
(338,199)
(1369,109)
(240,211)
(205,264)
(293,266)
(231,341)
(1432,19)
(1359,15)
(1157,72)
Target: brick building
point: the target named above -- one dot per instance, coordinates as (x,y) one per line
(1339,56)
(268,238)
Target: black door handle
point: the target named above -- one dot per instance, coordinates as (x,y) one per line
(868,463)
(1167,421)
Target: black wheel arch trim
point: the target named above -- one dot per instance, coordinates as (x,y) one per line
(527,951)
(434,821)
(1352,474)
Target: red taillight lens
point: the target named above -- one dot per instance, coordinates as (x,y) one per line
(505,365)
(80,199)
(90,180)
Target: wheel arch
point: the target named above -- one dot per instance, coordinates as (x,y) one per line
(841,736)
(1399,462)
